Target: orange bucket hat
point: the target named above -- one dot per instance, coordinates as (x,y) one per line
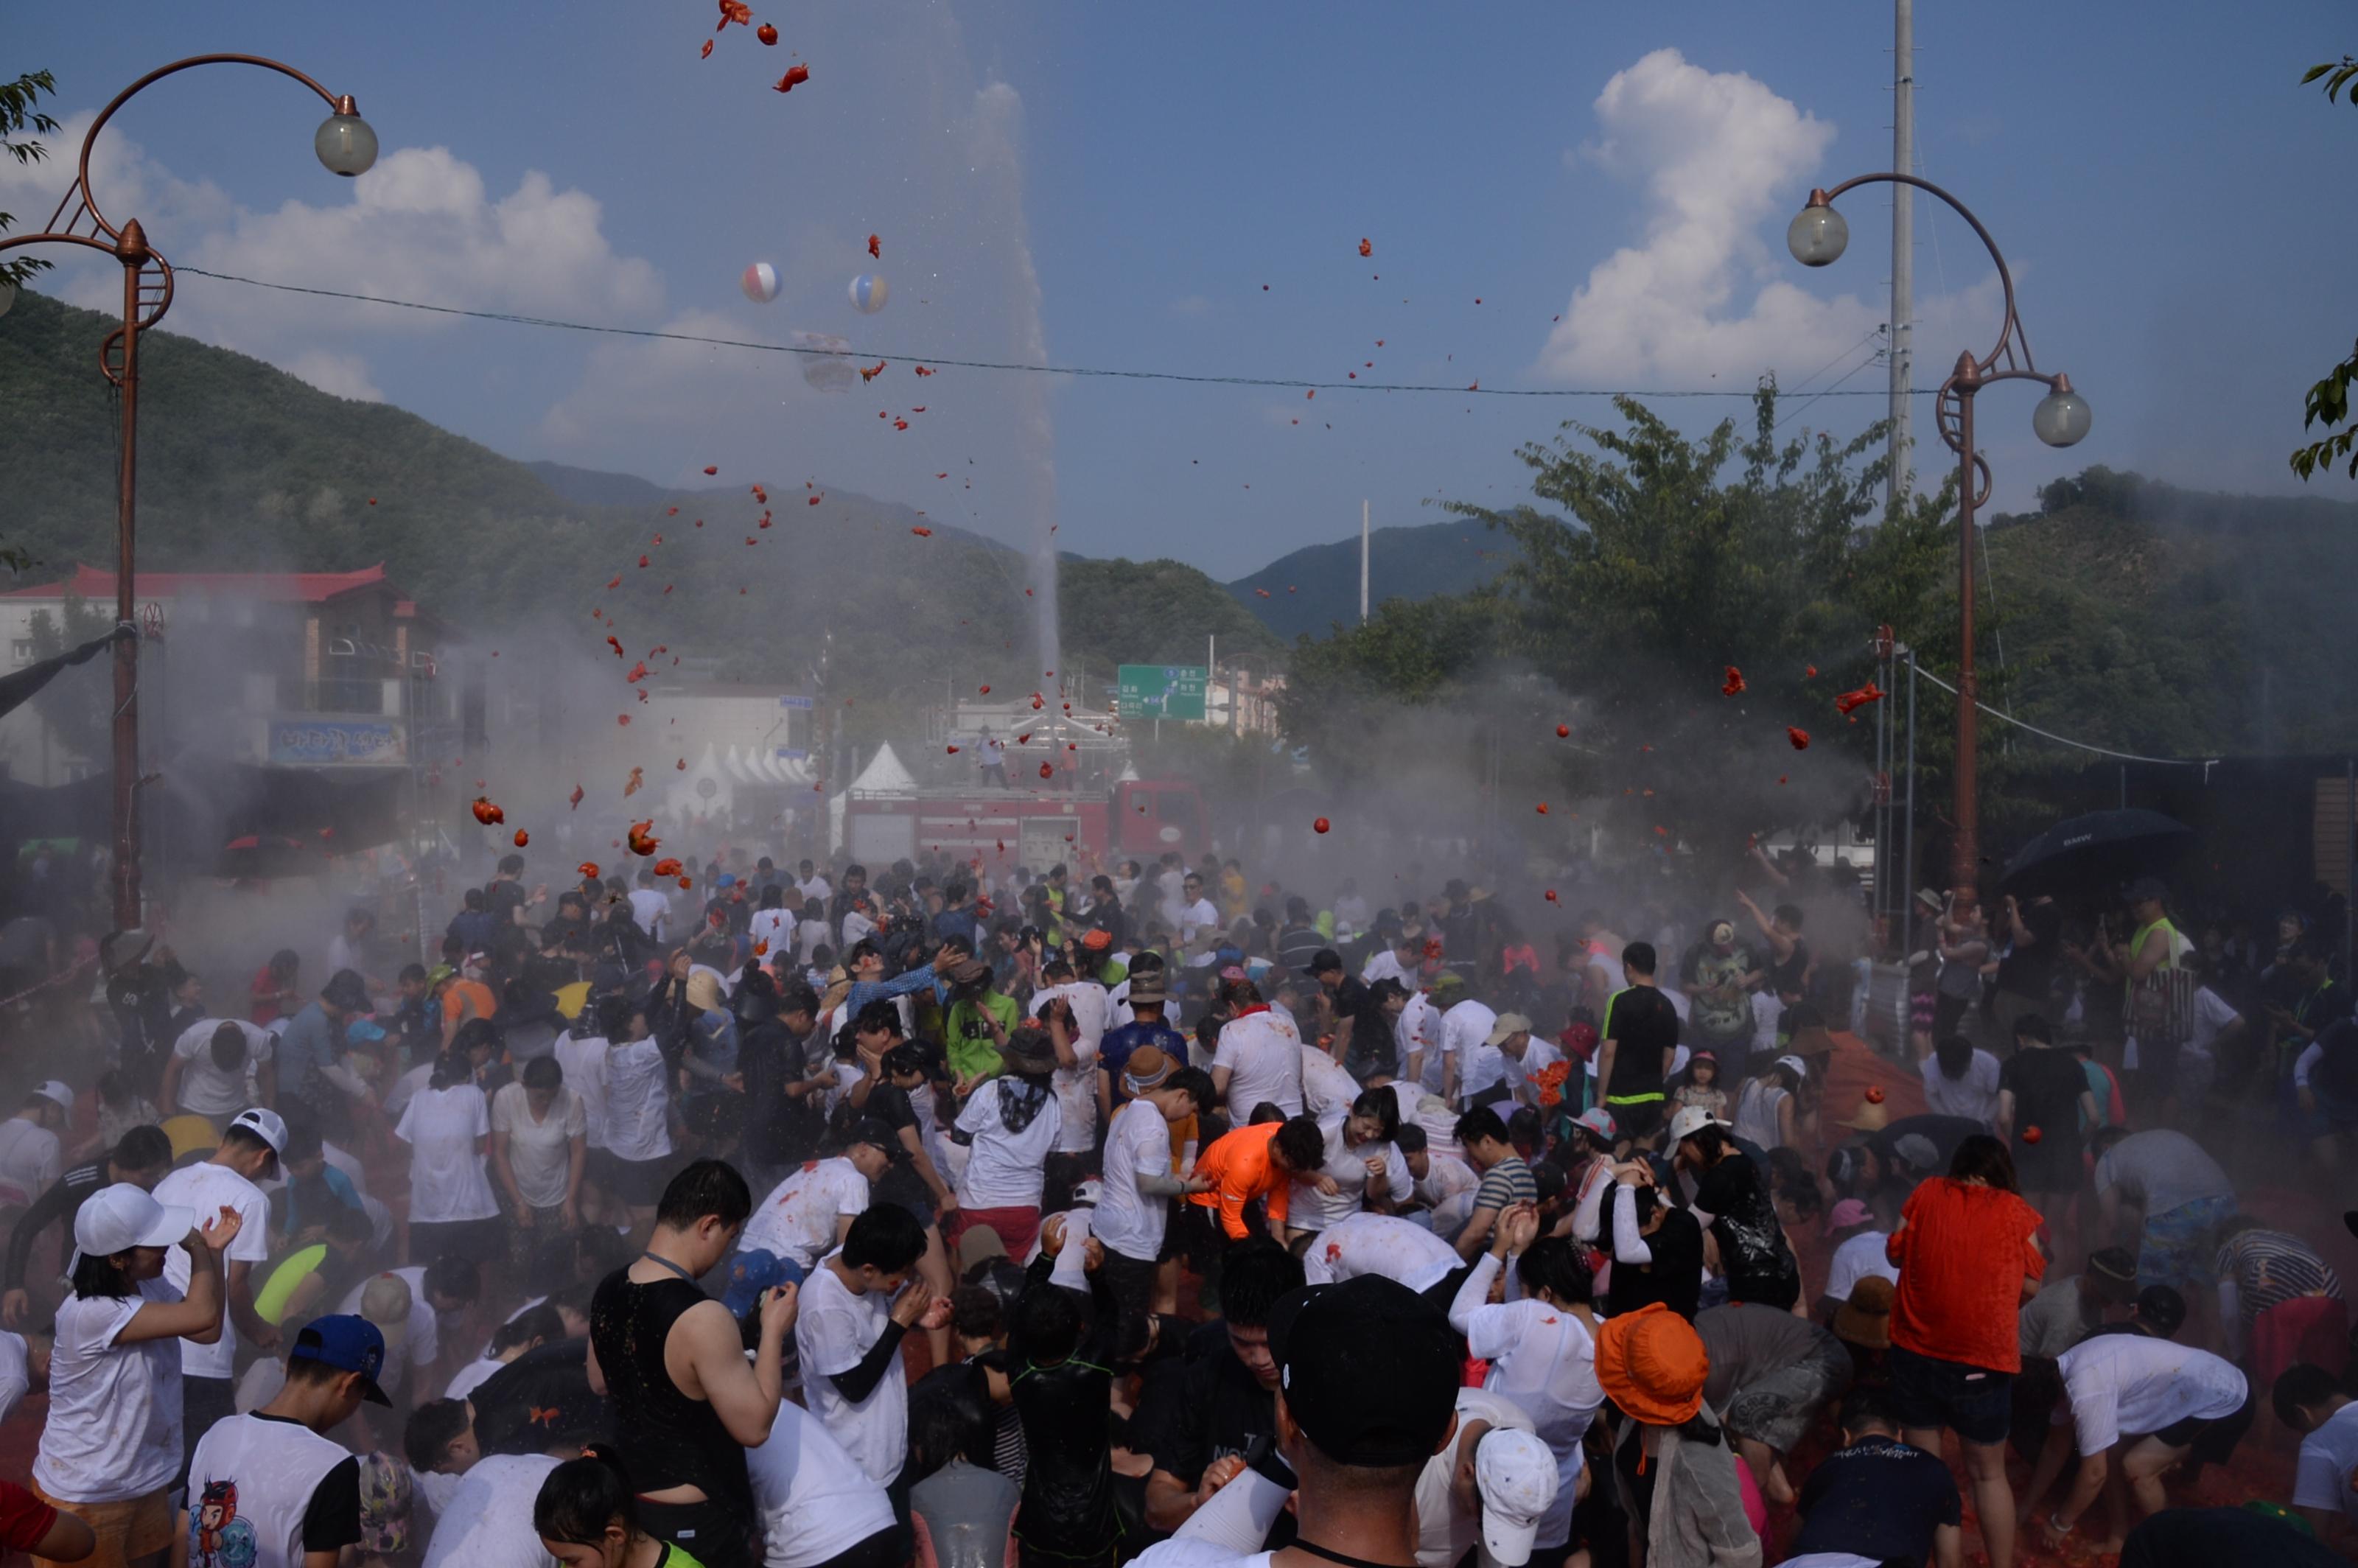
(1652,1364)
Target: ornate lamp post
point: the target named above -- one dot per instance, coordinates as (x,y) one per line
(347,147)
(1817,237)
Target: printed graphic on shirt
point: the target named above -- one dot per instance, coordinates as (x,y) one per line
(217,1537)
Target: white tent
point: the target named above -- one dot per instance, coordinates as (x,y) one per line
(884,775)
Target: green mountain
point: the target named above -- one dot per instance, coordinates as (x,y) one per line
(244,467)
(1317,588)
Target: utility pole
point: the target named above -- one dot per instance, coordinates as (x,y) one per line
(1363,545)
(1903,241)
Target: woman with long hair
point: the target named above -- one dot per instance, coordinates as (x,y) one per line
(1968,1260)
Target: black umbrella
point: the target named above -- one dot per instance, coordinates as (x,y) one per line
(2095,850)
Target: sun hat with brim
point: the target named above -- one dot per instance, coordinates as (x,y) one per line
(1690,1120)
(117,1219)
(1652,1364)
(1865,1320)
(1147,989)
(1510,1024)
(1029,1050)
(1147,1068)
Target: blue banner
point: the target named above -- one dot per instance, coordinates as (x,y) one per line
(316,742)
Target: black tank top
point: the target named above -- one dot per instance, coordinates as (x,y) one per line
(666,1439)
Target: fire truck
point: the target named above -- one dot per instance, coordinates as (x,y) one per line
(1091,805)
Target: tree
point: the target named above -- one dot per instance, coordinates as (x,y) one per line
(19,110)
(1649,563)
(2329,399)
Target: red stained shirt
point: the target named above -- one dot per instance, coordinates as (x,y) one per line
(1962,1253)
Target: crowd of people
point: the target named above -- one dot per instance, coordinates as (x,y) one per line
(786,1216)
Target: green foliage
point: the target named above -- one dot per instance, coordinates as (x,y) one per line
(2329,399)
(1153,612)
(20,110)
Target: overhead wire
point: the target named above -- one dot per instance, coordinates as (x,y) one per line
(2066,740)
(1292,383)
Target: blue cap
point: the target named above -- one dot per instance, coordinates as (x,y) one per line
(349,1343)
(360,1031)
(753,1275)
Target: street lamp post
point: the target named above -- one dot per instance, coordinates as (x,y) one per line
(347,147)
(1817,237)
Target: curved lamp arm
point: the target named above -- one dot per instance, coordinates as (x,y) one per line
(343,106)
(2009,330)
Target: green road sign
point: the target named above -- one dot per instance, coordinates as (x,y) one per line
(1162,691)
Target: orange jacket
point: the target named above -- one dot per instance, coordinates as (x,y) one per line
(1239,1166)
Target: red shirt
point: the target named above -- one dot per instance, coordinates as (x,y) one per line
(1963,1251)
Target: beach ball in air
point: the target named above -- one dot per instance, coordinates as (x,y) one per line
(760,283)
(868,292)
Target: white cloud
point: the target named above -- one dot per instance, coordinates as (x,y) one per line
(1716,154)
(420,225)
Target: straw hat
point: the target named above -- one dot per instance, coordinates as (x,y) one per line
(1652,1364)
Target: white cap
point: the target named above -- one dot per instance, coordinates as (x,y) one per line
(1510,1024)
(117,1219)
(1690,1120)
(1801,1069)
(57,1093)
(1515,1473)
(265,1124)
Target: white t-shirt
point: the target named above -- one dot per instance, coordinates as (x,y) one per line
(1385,965)
(207,1189)
(1004,1169)
(1193,920)
(2125,1385)
(487,1520)
(1544,1358)
(539,1152)
(114,1428)
(583,1059)
(1418,1029)
(637,1102)
(472,1376)
(815,1500)
(774,926)
(1328,1088)
(1445,1176)
(651,910)
(833,1332)
(1973,1097)
(1379,1244)
(1521,1077)
(1077,1087)
(1263,1056)
(274,1468)
(1857,1260)
(2212,1014)
(445,1130)
(1309,1209)
(815,886)
(30,1158)
(1465,1034)
(422,1344)
(1445,1532)
(800,1217)
(15,1371)
(2321,1479)
(206,1089)
(1128,1221)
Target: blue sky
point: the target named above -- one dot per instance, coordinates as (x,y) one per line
(2153,171)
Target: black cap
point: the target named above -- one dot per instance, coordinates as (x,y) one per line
(1368,1368)
(1323,960)
(2162,1309)
(875,1129)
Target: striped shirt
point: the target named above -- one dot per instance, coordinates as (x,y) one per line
(2269,1268)
(1507,1182)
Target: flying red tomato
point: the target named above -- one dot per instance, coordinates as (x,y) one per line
(1801,738)
(1367,248)
(875,247)
(1734,684)
(1320,826)
(521,838)
(766,32)
(795,76)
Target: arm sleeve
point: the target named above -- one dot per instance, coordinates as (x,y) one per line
(1629,1246)
(57,1200)
(333,1521)
(1587,1217)
(1158,1183)
(1474,1294)
(861,1381)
